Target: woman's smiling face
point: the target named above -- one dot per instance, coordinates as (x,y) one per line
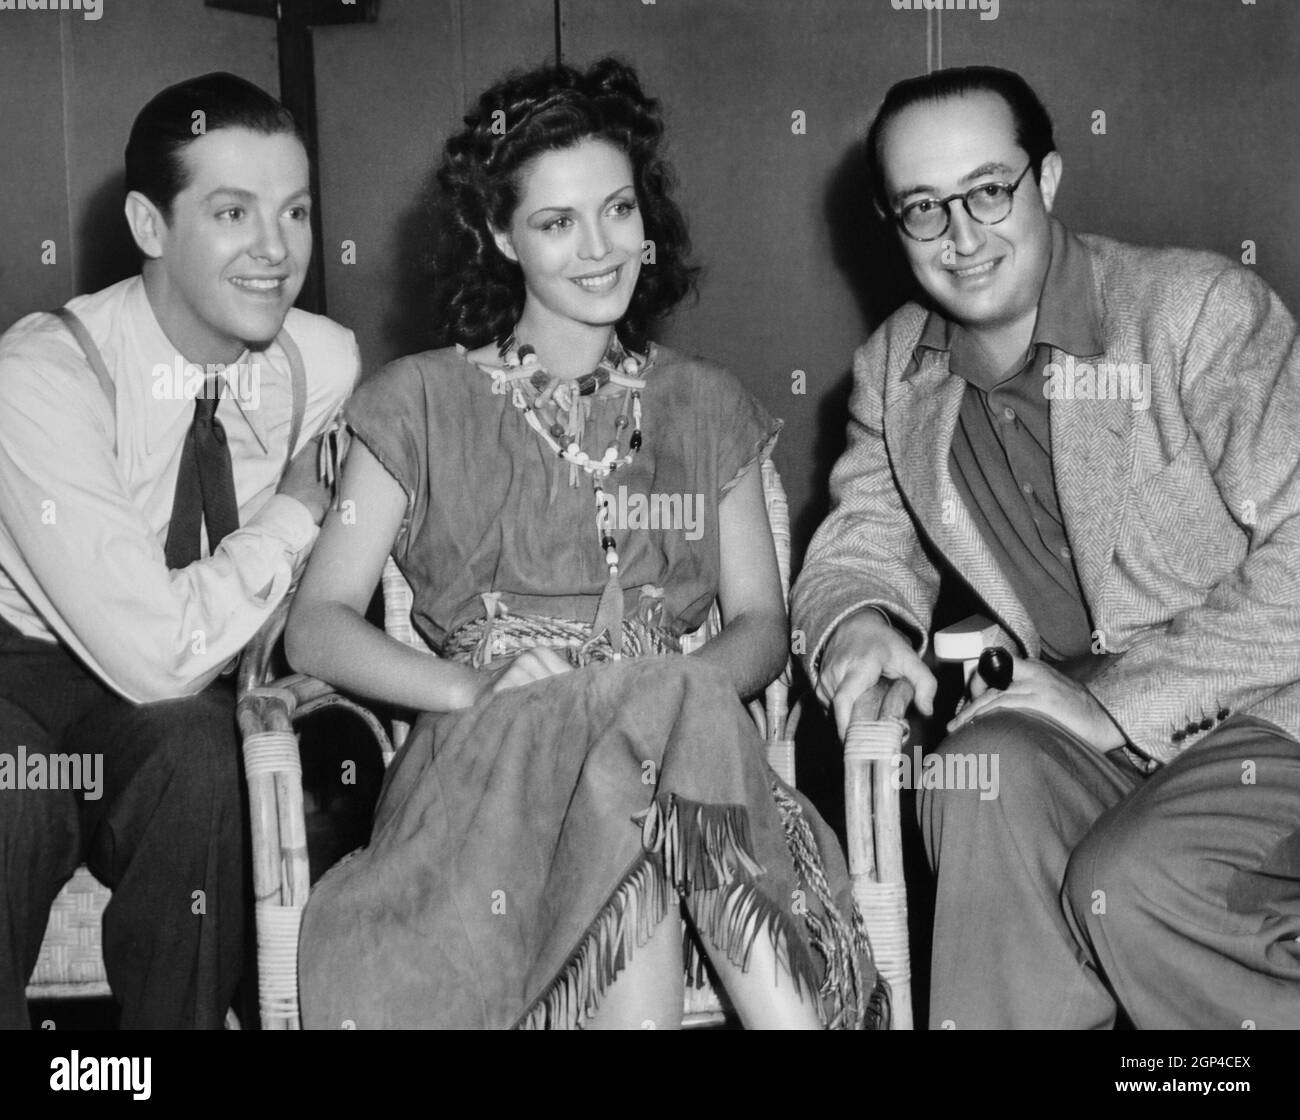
(576,234)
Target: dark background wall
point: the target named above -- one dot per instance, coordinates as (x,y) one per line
(69,90)
(1201,148)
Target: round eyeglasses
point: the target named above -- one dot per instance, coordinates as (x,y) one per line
(927,219)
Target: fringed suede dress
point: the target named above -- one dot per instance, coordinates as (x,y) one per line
(525,847)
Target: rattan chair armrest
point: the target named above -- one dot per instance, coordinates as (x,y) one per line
(278,705)
(875,739)
(255,662)
(278,825)
(884,700)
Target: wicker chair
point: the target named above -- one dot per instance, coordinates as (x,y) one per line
(268,710)
(71,963)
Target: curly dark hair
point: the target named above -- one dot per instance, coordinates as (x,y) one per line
(480,293)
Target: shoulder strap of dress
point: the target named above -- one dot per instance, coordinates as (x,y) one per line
(93,356)
(298,387)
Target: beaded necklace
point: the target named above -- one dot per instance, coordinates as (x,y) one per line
(549,395)
(542,398)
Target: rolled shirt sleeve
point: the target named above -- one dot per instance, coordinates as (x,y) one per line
(80,551)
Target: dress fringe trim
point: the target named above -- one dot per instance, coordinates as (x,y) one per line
(842,944)
(705,851)
(624,923)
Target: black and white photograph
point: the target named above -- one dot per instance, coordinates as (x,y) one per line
(651,515)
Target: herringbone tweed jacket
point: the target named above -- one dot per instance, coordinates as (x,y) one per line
(1184,517)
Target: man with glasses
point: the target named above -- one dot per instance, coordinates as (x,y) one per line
(1140,553)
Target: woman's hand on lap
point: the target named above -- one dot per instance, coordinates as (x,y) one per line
(532,665)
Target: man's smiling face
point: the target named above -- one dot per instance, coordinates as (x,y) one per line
(985,277)
(230,259)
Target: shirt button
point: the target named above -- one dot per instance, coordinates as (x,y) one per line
(1026,489)
(1065,552)
(1009,413)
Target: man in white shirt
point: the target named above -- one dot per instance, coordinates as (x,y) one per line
(159,492)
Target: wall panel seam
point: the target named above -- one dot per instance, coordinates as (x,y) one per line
(65,116)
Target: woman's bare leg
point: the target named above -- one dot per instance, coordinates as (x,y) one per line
(650,992)
(764,996)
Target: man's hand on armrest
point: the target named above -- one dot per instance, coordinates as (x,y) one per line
(861,650)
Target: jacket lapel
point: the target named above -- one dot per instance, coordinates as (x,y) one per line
(920,419)
(1091,457)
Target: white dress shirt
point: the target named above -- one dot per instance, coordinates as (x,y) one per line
(82,528)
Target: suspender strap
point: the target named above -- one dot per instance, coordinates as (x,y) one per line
(297,375)
(298,385)
(96,360)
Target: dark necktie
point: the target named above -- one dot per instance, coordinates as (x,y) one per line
(205,486)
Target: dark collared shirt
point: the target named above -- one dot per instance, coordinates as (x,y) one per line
(1001,457)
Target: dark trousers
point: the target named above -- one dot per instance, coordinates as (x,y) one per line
(167,832)
(1083,886)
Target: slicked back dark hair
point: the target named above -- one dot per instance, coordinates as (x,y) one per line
(170,122)
(1032,123)
(480,293)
